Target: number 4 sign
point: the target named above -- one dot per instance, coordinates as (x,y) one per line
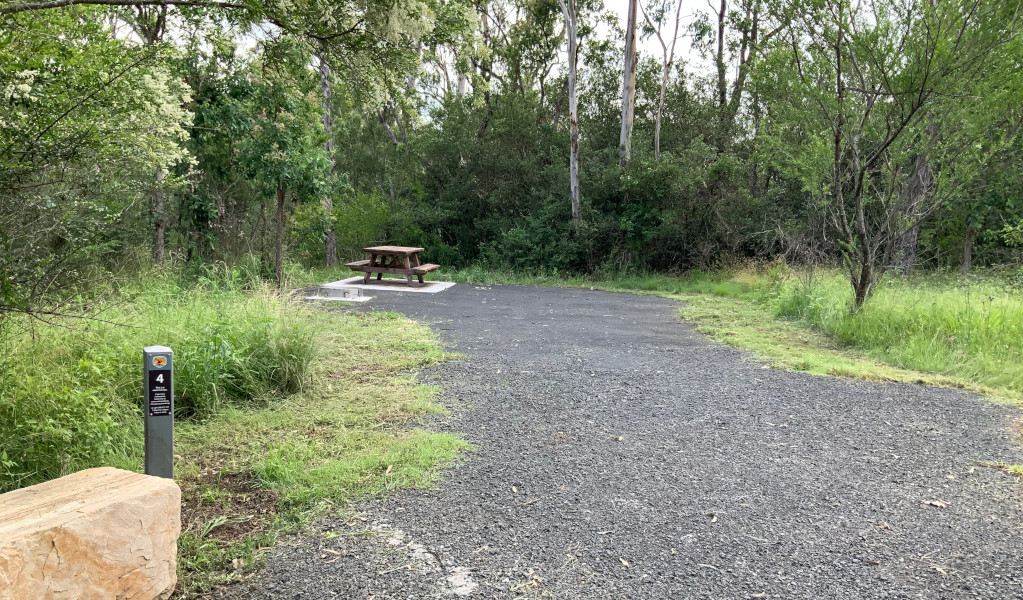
(159,410)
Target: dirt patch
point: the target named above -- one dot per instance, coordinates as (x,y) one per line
(227,507)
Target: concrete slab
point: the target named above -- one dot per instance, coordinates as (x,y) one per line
(340,298)
(389,284)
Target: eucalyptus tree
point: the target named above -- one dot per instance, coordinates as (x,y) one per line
(734,38)
(150,24)
(570,10)
(629,65)
(658,22)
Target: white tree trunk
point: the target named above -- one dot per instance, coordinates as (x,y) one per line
(568,7)
(667,60)
(628,86)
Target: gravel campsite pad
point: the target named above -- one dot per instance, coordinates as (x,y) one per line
(620,454)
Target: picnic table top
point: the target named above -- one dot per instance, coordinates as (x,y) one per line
(395,250)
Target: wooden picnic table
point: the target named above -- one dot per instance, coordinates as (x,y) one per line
(400,260)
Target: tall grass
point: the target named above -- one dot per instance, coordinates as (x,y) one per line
(70,393)
(970,328)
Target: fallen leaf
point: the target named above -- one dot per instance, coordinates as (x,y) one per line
(388,471)
(624,562)
(759,594)
(515,490)
(713,517)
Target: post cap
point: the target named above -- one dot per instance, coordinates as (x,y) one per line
(157,350)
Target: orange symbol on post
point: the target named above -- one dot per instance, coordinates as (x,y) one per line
(159,361)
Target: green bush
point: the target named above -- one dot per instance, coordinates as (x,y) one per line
(70,395)
(359,220)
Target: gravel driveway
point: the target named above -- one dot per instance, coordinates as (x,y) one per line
(623,455)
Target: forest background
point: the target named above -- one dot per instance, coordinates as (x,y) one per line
(881,136)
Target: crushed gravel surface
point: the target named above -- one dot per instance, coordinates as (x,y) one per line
(620,454)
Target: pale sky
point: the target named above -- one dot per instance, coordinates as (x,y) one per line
(650,46)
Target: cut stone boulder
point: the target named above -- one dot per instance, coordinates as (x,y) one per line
(100,534)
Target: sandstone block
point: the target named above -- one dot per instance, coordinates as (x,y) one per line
(100,534)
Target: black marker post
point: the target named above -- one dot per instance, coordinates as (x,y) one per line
(159,407)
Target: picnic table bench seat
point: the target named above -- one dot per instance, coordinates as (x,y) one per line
(427,268)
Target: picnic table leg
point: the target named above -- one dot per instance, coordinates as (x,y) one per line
(369,273)
(415,263)
(408,275)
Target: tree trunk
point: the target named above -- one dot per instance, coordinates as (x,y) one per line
(568,8)
(279,254)
(159,223)
(864,285)
(628,86)
(917,188)
(667,60)
(150,23)
(660,112)
(330,238)
(722,76)
(968,248)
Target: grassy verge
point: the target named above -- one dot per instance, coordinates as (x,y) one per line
(935,329)
(285,411)
(249,476)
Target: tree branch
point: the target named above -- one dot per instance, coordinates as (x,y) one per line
(49,4)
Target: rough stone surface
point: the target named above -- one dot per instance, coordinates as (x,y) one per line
(620,454)
(100,534)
